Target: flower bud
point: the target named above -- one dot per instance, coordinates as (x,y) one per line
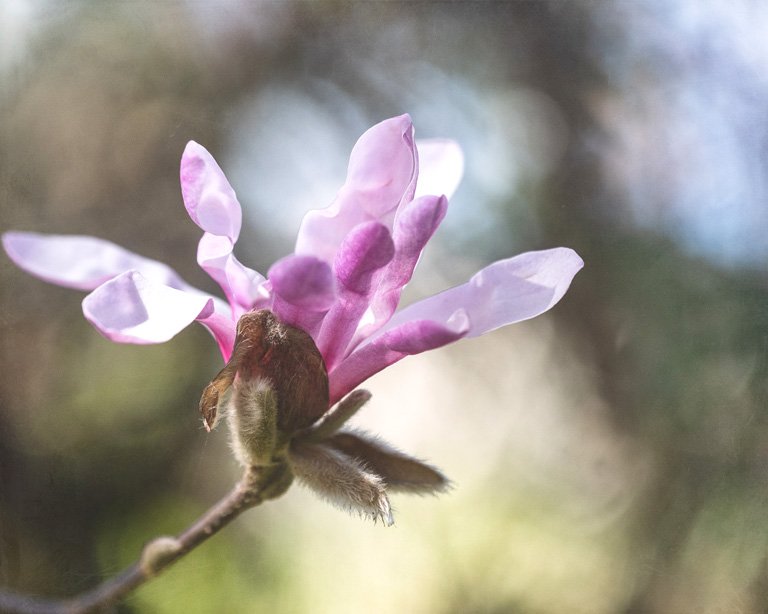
(274,384)
(287,358)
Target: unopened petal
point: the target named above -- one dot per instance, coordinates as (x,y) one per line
(409,338)
(133,309)
(414,226)
(382,175)
(441,167)
(242,286)
(504,292)
(210,200)
(81,262)
(367,249)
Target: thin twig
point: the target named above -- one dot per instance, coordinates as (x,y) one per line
(257,485)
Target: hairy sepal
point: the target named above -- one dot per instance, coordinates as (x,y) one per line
(340,479)
(399,471)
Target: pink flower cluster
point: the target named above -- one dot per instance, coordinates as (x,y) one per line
(341,285)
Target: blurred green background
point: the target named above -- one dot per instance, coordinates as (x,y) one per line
(610,456)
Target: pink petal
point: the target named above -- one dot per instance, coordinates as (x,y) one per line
(441,166)
(415,224)
(505,292)
(382,174)
(243,287)
(365,250)
(404,340)
(133,309)
(304,290)
(210,200)
(80,262)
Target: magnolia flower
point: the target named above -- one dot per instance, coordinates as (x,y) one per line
(336,297)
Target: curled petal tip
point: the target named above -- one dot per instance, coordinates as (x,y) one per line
(401,123)
(209,198)
(192,147)
(578,262)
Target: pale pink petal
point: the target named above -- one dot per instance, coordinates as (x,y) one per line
(210,200)
(133,309)
(304,289)
(382,174)
(505,292)
(243,287)
(415,224)
(223,329)
(441,166)
(81,262)
(404,340)
(383,165)
(365,250)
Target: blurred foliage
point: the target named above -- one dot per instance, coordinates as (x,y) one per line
(609,457)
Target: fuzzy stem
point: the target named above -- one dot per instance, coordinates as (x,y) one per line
(257,485)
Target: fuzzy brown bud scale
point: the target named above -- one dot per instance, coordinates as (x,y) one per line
(283,356)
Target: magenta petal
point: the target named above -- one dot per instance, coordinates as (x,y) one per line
(441,166)
(304,290)
(81,262)
(242,286)
(404,340)
(415,224)
(382,175)
(210,200)
(365,250)
(505,292)
(132,309)
(303,281)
